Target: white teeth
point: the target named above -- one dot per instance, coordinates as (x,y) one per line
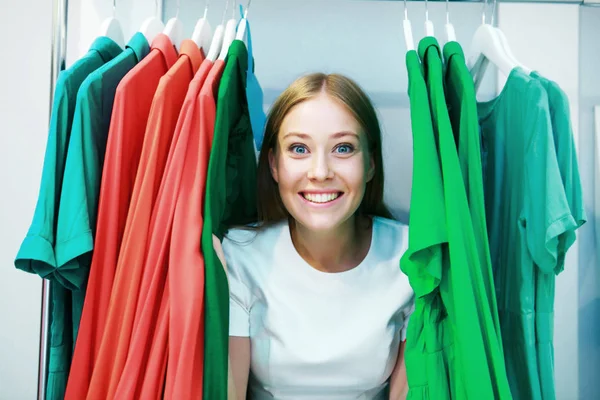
(321,197)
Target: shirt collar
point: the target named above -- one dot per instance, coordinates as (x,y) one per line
(451,49)
(139,45)
(425,44)
(106,47)
(191,49)
(163,44)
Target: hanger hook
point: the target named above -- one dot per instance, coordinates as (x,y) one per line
(178,8)
(233,9)
(206,9)
(114,8)
(246,10)
(493,12)
(426,10)
(447,12)
(405,11)
(225,11)
(483,12)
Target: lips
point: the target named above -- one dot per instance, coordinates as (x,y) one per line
(321,198)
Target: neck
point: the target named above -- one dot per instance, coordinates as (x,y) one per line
(338,250)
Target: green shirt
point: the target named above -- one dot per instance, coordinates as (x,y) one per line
(462,109)
(566,156)
(527,211)
(230,200)
(477,348)
(36,254)
(429,353)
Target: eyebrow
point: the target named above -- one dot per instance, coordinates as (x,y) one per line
(335,135)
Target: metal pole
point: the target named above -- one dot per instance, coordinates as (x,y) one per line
(57,64)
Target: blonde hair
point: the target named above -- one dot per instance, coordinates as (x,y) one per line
(349,94)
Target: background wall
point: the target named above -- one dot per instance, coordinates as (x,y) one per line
(363,39)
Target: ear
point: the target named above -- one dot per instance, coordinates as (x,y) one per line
(273,165)
(371,171)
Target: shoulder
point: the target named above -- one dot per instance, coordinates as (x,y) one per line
(391,237)
(251,244)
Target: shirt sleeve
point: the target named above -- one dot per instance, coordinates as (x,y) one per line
(406,318)
(239,293)
(547,214)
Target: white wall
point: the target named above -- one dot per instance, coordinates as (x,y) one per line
(550,45)
(24,102)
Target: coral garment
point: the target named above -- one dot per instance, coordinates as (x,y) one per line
(166,105)
(186,262)
(127,125)
(152,314)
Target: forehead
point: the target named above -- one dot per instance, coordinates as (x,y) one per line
(321,115)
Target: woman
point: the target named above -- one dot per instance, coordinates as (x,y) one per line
(319,306)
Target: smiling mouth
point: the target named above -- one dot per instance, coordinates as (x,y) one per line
(321,198)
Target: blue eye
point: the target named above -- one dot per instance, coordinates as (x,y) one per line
(298,149)
(344,149)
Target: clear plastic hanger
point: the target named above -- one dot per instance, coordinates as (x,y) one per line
(229,35)
(241,30)
(217,40)
(174,28)
(408,35)
(202,34)
(152,26)
(111,28)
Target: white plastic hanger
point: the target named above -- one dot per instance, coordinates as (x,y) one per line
(504,41)
(202,34)
(152,26)
(428,24)
(174,29)
(450,33)
(229,35)
(241,30)
(408,35)
(217,40)
(486,47)
(111,28)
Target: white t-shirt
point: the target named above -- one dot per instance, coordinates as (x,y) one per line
(318,335)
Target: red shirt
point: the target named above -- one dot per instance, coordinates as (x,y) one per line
(164,112)
(186,262)
(133,99)
(147,353)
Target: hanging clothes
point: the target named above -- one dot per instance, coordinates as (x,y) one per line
(152,312)
(131,108)
(37,252)
(462,109)
(187,268)
(254,94)
(166,105)
(478,350)
(429,352)
(545,281)
(231,200)
(526,211)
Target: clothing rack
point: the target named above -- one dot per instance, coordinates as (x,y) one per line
(58,63)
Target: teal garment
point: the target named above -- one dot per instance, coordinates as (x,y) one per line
(230,200)
(527,211)
(36,254)
(429,352)
(478,351)
(566,156)
(462,109)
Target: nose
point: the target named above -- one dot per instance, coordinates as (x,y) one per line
(320,168)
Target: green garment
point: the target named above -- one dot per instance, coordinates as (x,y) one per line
(429,352)
(462,109)
(230,200)
(36,254)
(477,347)
(566,155)
(527,211)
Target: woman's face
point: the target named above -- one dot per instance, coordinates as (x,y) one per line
(321,163)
